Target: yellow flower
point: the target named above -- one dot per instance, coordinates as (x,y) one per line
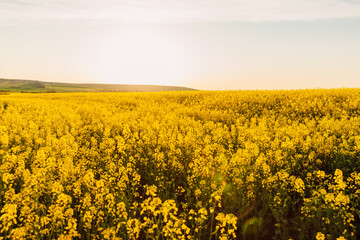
(320,236)
(299,185)
(341,238)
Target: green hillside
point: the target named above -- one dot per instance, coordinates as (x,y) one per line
(17,85)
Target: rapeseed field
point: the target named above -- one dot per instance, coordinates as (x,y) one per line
(181,165)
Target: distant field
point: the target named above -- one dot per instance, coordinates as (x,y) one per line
(252,165)
(14,85)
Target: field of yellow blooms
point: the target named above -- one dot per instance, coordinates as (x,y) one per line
(181,165)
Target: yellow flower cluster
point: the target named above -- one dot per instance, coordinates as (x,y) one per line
(181,165)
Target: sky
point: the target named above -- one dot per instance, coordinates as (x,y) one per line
(203,44)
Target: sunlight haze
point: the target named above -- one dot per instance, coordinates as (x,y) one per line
(210,45)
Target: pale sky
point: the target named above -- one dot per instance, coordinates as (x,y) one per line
(204,44)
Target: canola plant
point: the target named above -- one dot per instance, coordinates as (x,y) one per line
(181,165)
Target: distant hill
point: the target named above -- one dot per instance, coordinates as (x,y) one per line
(19,85)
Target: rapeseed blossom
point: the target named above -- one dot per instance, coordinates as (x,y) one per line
(181,165)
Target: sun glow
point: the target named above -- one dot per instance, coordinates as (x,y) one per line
(140,56)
